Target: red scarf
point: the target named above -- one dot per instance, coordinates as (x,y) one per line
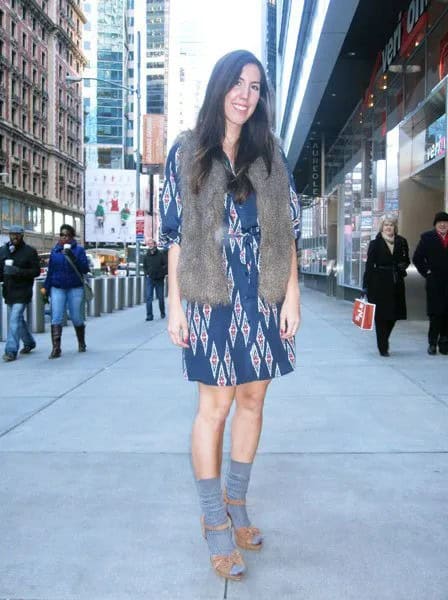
(443,239)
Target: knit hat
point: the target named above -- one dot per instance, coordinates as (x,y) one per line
(20,229)
(440,216)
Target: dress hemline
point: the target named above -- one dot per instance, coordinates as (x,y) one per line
(290,370)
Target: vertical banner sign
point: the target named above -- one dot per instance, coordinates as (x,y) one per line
(140,225)
(153,138)
(316,166)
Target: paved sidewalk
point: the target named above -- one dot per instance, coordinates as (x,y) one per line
(350,486)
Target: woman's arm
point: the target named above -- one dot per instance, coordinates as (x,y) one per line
(177,322)
(290,312)
(369,266)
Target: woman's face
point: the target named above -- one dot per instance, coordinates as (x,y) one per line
(65,237)
(241,100)
(388,228)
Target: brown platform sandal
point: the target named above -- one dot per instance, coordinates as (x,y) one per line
(244,535)
(223,563)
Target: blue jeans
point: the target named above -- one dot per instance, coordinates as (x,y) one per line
(74,297)
(18,329)
(158,285)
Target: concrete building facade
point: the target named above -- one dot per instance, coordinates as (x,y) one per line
(41,182)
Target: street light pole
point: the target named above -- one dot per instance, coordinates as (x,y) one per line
(138,159)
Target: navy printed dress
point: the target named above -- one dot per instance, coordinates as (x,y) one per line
(238,343)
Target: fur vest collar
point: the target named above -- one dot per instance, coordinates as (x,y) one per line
(201,270)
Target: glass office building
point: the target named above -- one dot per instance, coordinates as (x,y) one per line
(106,107)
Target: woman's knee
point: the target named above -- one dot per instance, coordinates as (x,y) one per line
(251,399)
(214,416)
(214,406)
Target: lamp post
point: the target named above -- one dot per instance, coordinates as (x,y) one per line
(131,90)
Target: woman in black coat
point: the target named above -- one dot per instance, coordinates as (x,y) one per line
(387,261)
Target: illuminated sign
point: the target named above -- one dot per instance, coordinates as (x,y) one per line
(404,33)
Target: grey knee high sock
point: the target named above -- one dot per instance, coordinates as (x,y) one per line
(213,509)
(237,482)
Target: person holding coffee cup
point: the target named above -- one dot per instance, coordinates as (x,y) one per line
(64,286)
(19,265)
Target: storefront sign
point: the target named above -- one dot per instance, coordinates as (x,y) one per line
(316,166)
(435,139)
(404,33)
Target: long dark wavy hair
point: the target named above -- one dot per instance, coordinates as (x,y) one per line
(256,139)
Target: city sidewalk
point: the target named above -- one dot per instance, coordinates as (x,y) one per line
(350,486)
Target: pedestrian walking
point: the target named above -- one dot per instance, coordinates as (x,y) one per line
(155,266)
(64,286)
(387,261)
(431,259)
(230,217)
(19,266)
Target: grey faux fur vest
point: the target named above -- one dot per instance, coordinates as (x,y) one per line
(201,272)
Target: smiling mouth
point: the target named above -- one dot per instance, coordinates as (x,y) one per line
(240,107)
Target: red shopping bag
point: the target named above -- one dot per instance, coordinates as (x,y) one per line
(363,314)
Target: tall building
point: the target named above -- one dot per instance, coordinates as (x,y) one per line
(187,75)
(41,181)
(363,114)
(108,107)
(155,60)
(270,47)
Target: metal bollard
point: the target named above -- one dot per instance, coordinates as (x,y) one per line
(131,291)
(121,292)
(107,294)
(138,289)
(36,309)
(94,306)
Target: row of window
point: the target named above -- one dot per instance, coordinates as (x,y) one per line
(34,218)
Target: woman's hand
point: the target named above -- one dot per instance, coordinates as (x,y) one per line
(290,316)
(290,311)
(177,325)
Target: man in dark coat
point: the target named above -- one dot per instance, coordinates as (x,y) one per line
(431,260)
(387,261)
(155,266)
(19,265)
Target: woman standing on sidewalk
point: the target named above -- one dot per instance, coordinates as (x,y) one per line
(64,286)
(387,261)
(230,218)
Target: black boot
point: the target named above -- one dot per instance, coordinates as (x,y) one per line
(56,333)
(80,334)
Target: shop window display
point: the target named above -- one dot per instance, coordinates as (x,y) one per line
(414,79)
(48,222)
(6,213)
(33,219)
(437,43)
(313,243)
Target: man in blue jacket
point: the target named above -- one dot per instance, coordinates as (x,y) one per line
(19,265)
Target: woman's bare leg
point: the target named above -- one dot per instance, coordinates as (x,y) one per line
(208,429)
(246,430)
(248,420)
